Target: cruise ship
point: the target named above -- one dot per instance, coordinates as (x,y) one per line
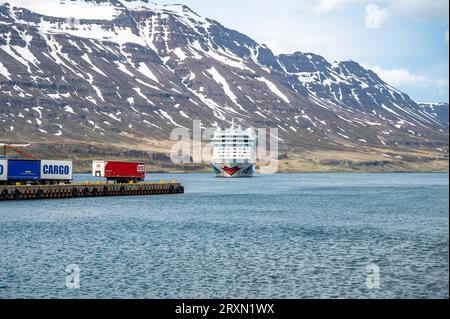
(234,152)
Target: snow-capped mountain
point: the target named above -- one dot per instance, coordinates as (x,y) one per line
(124,71)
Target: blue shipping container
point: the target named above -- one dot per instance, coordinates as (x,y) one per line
(24,170)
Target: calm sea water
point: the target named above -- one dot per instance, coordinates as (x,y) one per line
(278,236)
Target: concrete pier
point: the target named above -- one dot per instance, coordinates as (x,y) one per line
(78,190)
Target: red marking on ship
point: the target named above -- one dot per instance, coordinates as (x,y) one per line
(231,170)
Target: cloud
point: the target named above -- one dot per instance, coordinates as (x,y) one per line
(419,86)
(421,9)
(276,46)
(416,9)
(375,16)
(404,78)
(326,6)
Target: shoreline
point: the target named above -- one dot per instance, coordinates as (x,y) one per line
(299,172)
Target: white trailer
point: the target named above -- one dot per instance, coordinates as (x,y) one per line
(53,170)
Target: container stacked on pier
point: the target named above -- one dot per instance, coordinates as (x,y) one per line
(35,171)
(120,172)
(24,170)
(56,170)
(42,172)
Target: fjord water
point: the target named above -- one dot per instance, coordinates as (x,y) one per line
(274,236)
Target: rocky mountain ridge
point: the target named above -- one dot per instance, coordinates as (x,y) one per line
(126,73)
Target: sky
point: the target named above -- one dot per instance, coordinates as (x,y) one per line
(405,41)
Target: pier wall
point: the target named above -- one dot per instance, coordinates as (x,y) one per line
(30,192)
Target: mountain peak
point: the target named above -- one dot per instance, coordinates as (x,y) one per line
(146,4)
(94,9)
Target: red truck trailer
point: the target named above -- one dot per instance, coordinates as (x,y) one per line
(119,172)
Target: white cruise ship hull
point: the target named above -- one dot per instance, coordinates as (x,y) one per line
(234,170)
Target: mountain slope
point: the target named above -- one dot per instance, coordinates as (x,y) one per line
(438,110)
(125,73)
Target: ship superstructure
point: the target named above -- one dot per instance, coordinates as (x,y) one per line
(234,152)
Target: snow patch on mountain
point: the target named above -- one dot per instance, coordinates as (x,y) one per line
(272,87)
(223,83)
(77,9)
